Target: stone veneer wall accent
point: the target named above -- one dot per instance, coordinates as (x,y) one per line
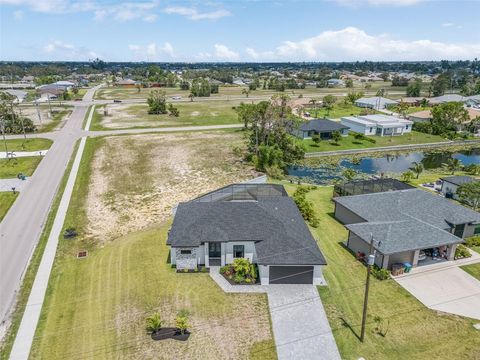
(186,261)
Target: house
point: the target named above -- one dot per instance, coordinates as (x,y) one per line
(18,94)
(447,98)
(65,85)
(376,102)
(406,225)
(254,221)
(450,185)
(412,101)
(322,127)
(127,83)
(426,115)
(377,124)
(473,101)
(335,82)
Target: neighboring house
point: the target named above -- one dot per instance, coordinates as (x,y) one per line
(473,101)
(412,101)
(450,185)
(376,102)
(27,79)
(127,83)
(65,85)
(447,98)
(18,94)
(254,221)
(378,124)
(322,127)
(405,225)
(335,82)
(426,115)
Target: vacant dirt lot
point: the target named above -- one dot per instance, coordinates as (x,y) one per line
(137,180)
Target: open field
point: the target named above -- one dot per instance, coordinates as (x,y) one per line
(339,110)
(349,142)
(126,183)
(473,270)
(46,122)
(226,91)
(6,200)
(414,332)
(10,168)
(123,116)
(28,145)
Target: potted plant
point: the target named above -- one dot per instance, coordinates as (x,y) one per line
(182,324)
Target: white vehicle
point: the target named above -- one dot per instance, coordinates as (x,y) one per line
(176,97)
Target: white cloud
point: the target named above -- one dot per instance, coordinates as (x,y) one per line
(60,50)
(120,12)
(193,14)
(224,53)
(260,56)
(152,52)
(18,14)
(355,44)
(448,24)
(396,3)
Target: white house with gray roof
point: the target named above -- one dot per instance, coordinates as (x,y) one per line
(377,124)
(254,221)
(450,184)
(405,224)
(375,102)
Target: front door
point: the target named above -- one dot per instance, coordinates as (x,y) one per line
(214,249)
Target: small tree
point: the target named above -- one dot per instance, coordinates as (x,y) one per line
(181,321)
(336,136)
(173,110)
(416,168)
(246,92)
(156,102)
(154,322)
(452,165)
(191,96)
(470,194)
(349,174)
(316,139)
(349,83)
(328,102)
(408,176)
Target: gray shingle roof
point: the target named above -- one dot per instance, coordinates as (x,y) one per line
(281,235)
(322,125)
(459,180)
(407,219)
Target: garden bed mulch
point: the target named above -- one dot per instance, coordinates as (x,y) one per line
(204,270)
(170,333)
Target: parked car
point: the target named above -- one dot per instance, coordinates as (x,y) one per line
(422,255)
(176,97)
(117,101)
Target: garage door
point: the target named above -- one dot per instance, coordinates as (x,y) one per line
(291,275)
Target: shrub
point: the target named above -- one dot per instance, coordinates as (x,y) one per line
(224,269)
(181,321)
(242,266)
(379,273)
(154,322)
(248,280)
(462,252)
(238,278)
(473,241)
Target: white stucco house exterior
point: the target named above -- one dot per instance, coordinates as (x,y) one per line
(377,124)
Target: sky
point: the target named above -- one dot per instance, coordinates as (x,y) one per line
(239,30)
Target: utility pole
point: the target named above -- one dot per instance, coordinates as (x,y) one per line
(38,111)
(370,262)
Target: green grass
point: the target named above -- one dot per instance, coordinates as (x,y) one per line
(24,292)
(56,120)
(6,201)
(473,270)
(10,168)
(191,114)
(415,332)
(104,299)
(349,142)
(27,145)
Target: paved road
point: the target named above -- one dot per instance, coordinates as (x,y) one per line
(21,228)
(300,325)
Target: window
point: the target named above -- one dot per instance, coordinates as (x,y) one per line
(371,129)
(186,252)
(477,230)
(406,127)
(238,251)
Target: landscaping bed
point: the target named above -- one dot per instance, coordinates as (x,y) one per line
(241,272)
(200,269)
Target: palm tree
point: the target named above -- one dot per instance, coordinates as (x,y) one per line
(417,168)
(154,322)
(452,165)
(191,96)
(407,176)
(246,92)
(314,103)
(336,136)
(424,103)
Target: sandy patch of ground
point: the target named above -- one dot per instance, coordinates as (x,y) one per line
(127,116)
(194,113)
(46,118)
(137,180)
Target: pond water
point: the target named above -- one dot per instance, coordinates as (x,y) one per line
(386,164)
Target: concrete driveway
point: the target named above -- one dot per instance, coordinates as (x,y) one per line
(445,288)
(300,325)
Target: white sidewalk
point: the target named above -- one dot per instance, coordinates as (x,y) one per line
(23,340)
(16,154)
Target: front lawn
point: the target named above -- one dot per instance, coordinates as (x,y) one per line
(6,201)
(473,270)
(35,144)
(349,142)
(414,331)
(10,168)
